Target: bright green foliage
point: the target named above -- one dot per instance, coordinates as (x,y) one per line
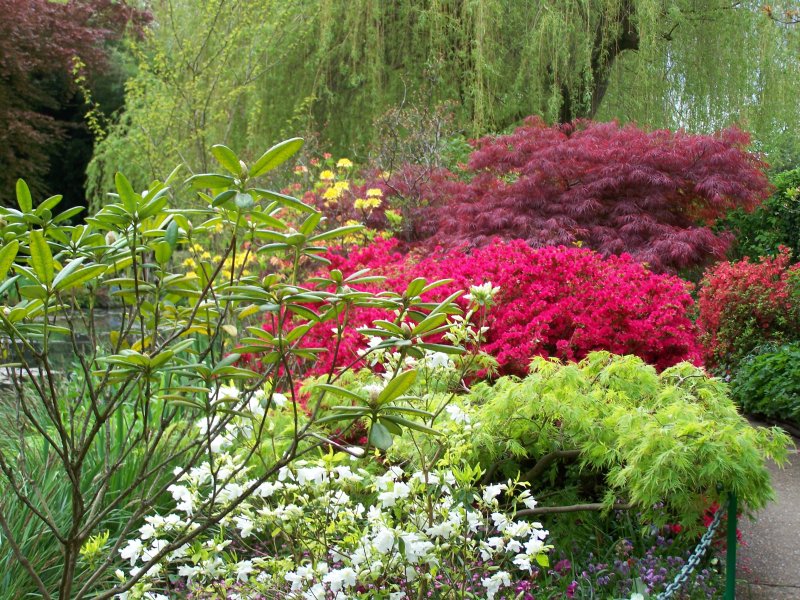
(215,73)
(673,438)
(767,383)
(775,223)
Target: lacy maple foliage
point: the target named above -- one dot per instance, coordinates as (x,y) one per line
(615,189)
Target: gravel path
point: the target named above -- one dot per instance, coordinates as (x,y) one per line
(769,565)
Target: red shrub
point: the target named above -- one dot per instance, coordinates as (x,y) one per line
(617,189)
(745,304)
(554,301)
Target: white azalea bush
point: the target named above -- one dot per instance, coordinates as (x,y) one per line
(340,526)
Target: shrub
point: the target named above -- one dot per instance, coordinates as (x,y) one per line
(767,383)
(616,189)
(744,304)
(774,224)
(150,403)
(560,302)
(670,444)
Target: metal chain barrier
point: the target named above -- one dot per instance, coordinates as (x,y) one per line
(683,576)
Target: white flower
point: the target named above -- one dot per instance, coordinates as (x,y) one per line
(339,578)
(399,491)
(224,393)
(457,415)
(384,540)
(439,360)
(132,551)
(491,492)
(495,582)
(416,548)
(243,570)
(527,500)
(245,526)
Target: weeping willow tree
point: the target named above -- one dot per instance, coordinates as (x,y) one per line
(245,71)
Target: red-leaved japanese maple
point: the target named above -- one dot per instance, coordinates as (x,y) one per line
(555,301)
(615,189)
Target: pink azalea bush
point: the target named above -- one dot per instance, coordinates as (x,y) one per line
(555,301)
(745,304)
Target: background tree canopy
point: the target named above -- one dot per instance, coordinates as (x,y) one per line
(246,71)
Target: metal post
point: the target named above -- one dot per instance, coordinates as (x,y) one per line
(730,561)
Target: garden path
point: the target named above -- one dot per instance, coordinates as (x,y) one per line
(770,563)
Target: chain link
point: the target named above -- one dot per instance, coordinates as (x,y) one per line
(683,576)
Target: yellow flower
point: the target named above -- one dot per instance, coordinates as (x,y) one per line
(189,262)
(197,247)
(332,193)
(205,255)
(342,185)
(344,163)
(327,175)
(374,193)
(366,204)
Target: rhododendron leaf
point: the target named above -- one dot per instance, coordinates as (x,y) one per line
(430,323)
(335,233)
(415,287)
(211,181)
(400,421)
(446,349)
(379,436)
(339,391)
(407,409)
(7,255)
(24,199)
(310,223)
(41,258)
(275,156)
(284,200)
(227,158)
(397,386)
(390,425)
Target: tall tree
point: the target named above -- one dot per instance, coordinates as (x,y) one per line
(40,41)
(335,66)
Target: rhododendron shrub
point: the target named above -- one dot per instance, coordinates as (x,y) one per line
(557,301)
(616,189)
(745,304)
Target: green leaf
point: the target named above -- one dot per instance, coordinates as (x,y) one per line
(163,252)
(397,386)
(339,391)
(7,255)
(285,200)
(126,193)
(334,233)
(24,200)
(227,158)
(81,276)
(400,421)
(210,180)
(244,201)
(380,437)
(68,269)
(171,234)
(276,156)
(41,257)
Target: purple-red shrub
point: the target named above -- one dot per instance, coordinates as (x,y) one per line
(745,304)
(616,189)
(555,301)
